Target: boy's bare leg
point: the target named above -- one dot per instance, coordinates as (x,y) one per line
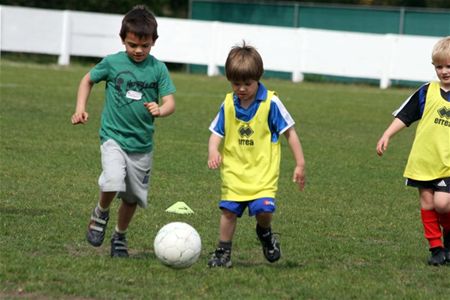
(228,222)
(264,219)
(222,254)
(432,229)
(106,198)
(442,206)
(442,202)
(119,246)
(126,213)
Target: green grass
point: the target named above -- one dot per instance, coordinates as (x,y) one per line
(354,233)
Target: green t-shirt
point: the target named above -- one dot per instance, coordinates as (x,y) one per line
(129,85)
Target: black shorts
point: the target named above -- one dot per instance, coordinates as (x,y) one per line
(437,185)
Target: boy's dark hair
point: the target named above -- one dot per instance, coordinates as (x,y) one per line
(141,22)
(244,63)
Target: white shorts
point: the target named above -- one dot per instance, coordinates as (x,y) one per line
(128,174)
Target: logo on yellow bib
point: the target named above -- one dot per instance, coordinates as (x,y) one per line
(245,132)
(444,112)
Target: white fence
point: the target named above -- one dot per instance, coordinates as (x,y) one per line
(383,57)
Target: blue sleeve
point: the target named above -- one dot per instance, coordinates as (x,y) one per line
(218,124)
(422,99)
(276,121)
(279,119)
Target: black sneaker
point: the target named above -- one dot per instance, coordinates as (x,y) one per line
(221,258)
(447,246)
(447,255)
(271,248)
(437,256)
(119,247)
(97,227)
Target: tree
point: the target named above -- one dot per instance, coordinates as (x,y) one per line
(168,8)
(179,8)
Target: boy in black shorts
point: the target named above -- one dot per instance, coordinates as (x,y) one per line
(428,167)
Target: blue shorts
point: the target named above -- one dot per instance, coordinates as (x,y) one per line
(257,206)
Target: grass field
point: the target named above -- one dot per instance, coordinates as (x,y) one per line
(354,233)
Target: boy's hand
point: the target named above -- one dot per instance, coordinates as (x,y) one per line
(382,145)
(299,177)
(383,142)
(214,160)
(80,118)
(153,108)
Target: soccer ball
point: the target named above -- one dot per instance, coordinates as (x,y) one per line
(177,245)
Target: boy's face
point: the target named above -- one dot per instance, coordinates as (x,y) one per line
(137,48)
(443,73)
(245,90)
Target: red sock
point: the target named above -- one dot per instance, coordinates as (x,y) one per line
(430,221)
(444,220)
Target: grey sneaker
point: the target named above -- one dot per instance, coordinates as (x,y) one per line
(271,248)
(119,247)
(437,257)
(97,227)
(220,258)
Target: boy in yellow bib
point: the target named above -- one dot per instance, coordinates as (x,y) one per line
(428,167)
(249,123)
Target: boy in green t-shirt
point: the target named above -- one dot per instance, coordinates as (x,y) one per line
(135,80)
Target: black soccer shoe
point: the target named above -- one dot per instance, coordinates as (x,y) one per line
(437,257)
(447,247)
(271,248)
(119,247)
(221,258)
(447,255)
(97,227)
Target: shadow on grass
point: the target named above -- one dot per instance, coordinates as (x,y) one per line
(84,249)
(142,254)
(283,264)
(33,212)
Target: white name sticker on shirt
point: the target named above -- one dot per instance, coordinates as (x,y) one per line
(134,95)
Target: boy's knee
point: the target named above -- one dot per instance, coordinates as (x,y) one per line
(442,207)
(128,203)
(264,218)
(228,214)
(264,215)
(442,202)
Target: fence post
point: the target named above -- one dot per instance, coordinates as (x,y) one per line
(391,44)
(64,56)
(213,69)
(297,74)
(401,25)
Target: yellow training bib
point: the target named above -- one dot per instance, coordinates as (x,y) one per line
(250,160)
(430,154)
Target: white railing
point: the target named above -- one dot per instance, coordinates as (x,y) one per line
(383,57)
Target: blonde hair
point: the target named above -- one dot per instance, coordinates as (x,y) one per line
(244,63)
(441,51)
